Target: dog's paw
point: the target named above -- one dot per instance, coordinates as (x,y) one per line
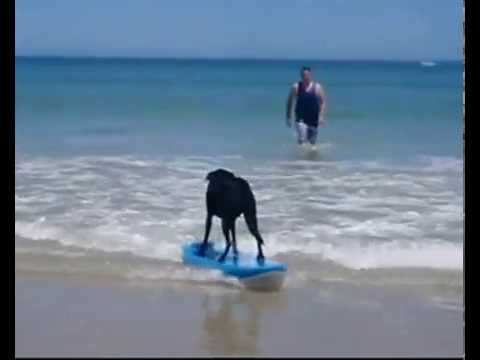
(221,259)
(260,258)
(201,251)
(235,258)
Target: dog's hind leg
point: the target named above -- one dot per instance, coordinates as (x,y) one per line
(234,240)
(226,225)
(251,220)
(208,226)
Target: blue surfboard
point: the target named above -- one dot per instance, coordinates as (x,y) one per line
(245,267)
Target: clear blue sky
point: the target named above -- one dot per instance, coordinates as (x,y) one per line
(320,29)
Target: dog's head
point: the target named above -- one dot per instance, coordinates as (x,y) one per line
(220,175)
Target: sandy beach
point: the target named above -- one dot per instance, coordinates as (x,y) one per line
(73,316)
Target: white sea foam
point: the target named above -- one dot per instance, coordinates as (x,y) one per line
(359,215)
(183,274)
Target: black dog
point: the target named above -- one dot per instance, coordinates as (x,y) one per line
(228,197)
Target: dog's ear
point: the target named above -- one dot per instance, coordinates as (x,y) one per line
(211,176)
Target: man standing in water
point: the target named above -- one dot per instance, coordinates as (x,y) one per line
(310,107)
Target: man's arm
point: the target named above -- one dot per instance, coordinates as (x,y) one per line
(322,99)
(291,97)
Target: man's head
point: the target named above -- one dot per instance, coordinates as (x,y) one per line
(306,74)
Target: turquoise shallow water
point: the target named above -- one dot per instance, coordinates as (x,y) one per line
(111,157)
(376,109)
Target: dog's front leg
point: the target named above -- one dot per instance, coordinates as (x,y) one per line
(208,226)
(225,227)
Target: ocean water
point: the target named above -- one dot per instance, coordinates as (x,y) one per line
(111,157)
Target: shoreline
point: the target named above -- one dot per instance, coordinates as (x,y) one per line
(81,316)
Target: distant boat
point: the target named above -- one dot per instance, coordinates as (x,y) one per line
(428,63)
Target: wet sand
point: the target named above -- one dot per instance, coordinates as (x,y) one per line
(58,316)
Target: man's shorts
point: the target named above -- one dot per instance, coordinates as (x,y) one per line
(306,132)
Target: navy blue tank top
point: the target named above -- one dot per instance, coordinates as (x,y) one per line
(307,106)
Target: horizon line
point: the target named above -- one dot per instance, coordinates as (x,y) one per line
(130,57)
